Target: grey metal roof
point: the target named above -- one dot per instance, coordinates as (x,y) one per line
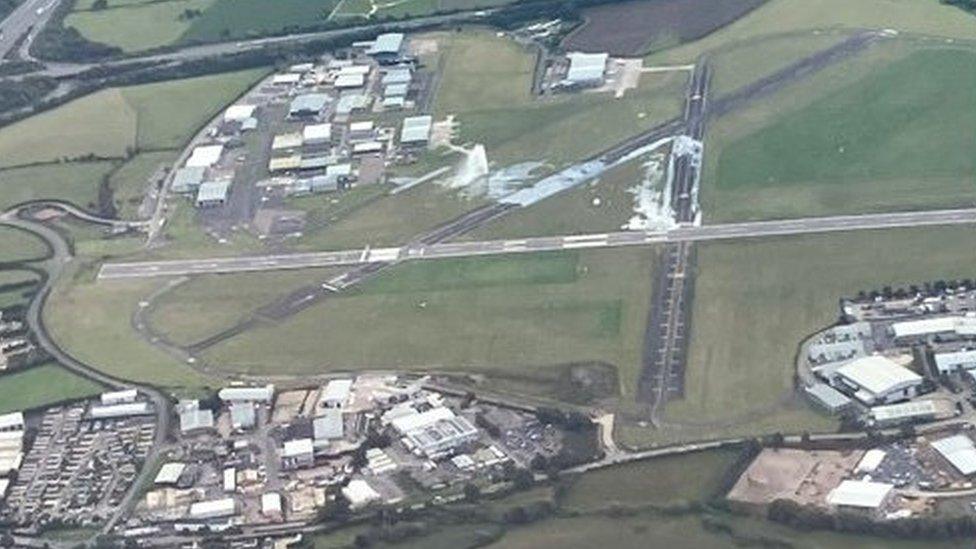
(187,179)
(329,426)
(396,90)
(416,129)
(388,43)
(827,396)
(213,191)
(309,102)
(397,76)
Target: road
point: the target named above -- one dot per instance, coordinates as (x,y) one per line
(30,15)
(440,250)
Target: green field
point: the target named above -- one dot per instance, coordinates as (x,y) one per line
(18,245)
(756,300)
(42,385)
(92,321)
(206,305)
(75,182)
(509,315)
(902,137)
(664,481)
(129,181)
(139,26)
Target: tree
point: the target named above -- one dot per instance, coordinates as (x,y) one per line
(471,492)
(523,479)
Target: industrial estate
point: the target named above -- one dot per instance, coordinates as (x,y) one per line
(495,274)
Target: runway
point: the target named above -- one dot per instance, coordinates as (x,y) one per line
(422,251)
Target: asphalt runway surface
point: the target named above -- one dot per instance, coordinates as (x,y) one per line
(440,250)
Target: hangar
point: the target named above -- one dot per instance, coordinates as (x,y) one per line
(212,194)
(877,380)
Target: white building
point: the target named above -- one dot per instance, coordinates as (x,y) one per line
(271,504)
(193,418)
(238,113)
(416,130)
(242,415)
(336,393)
(230,480)
(434,433)
(959,451)
(586,69)
(958,325)
(13,421)
(877,380)
(205,156)
(360,493)
(212,194)
(120,410)
(870,461)
(954,361)
(119,397)
(213,509)
(891,414)
(169,473)
(860,494)
(314,134)
(298,453)
(328,427)
(247,394)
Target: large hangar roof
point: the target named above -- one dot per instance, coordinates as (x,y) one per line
(586,67)
(958,450)
(877,374)
(859,493)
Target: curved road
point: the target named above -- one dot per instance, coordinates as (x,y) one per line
(61,257)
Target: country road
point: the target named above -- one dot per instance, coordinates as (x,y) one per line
(420,251)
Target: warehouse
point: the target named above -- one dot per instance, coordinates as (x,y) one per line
(271,504)
(860,495)
(120,410)
(169,474)
(247,394)
(287,141)
(13,421)
(416,130)
(287,79)
(212,194)
(959,451)
(328,427)
(336,393)
(317,134)
(239,113)
(359,493)
(955,361)
(347,81)
(242,416)
(194,418)
(349,104)
(367,147)
(187,180)
(285,163)
(921,329)
(434,433)
(307,105)
(298,453)
(398,75)
(205,156)
(828,398)
(585,69)
(893,414)
(876,380)
(217,508)
(119,397)
(386,48)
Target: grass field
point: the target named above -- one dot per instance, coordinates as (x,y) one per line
(138,26)
(784,16)
(18,245)
(75,182)
(42,385)
(92,321)
(756,300)
(206,305)
(487,83)
(663,481)
(228,19)
(513,314)
(129,181)
(900,138)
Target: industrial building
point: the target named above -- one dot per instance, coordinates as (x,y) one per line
(217,508)
(118,397)
(828,398)
(193,418)
(297,454)
(585,69)
(316,134)
(287,141)
(336,393)
(169,474)
(387,48)
(328,427)
(212,194)
(128,409)
(876,380)
(239,113)
(13,421)
(416,130)
(188,180)
(959,451)
(242,416)
(955,361)
(205,156)
(946,325)
(359,493)
(307,105)
(434,433)
(247,394)
(893,414)
(860,495)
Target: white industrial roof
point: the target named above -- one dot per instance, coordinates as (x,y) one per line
(10,461)
(329,426)
(169,473)
(367,147)
(903,410)
(213,508)
(115,397)
(397,76)
(3,488)
(387,43)
(308,102)
(419,420)
(186,179)
(928,326)
(416,129)
(870,461)
(195,418)
(211,191)
(359,493)
(959,451)
(859,493)
(288,78)
(13,420)
(120,410)
(205,156)
(297,447)
(828,396)
(361,126)
(350,80)
(337,390)
(265,393)
(586,67)
(315,132)
(955,359)
(354,69)
(396,90)
(349,103)
(287,141)
(271,503)
(878,374)
(239,113)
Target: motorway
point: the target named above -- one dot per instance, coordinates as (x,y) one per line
(422,251)
(30,15)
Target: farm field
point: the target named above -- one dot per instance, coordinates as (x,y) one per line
(230,19)
(514,314)
(137,27)
(111,122)
(42,385)
(756,300)
(633,28)
(898,138)
(784,16)
(75,182)
(91,321)
(205,305)
(17,245)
